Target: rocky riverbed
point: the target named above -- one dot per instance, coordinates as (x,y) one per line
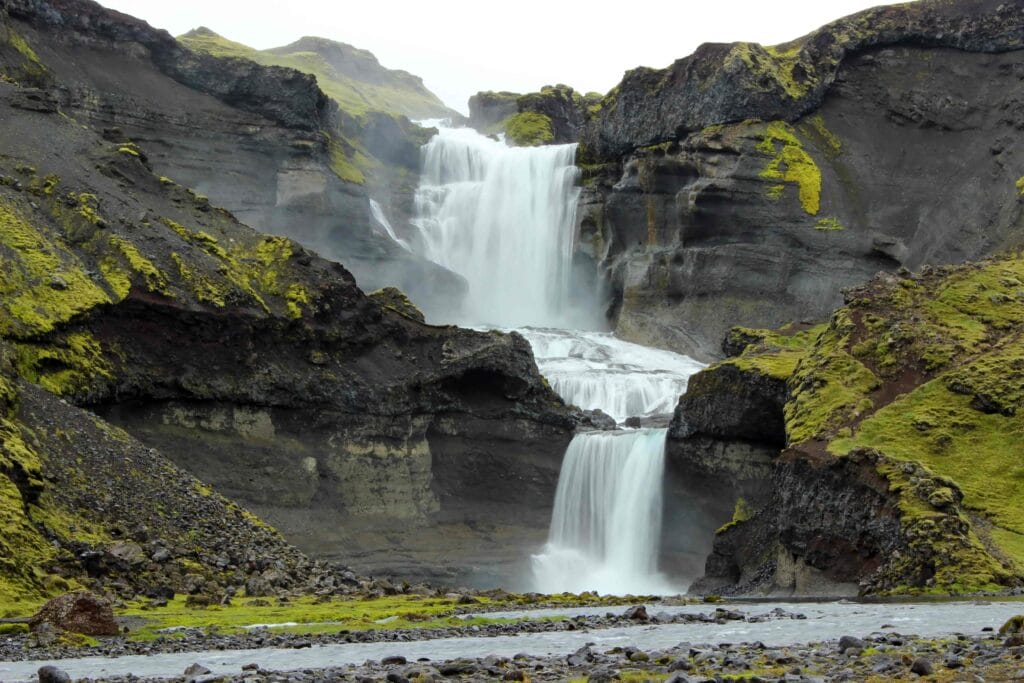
(879,657)
(47,645)
(783,642)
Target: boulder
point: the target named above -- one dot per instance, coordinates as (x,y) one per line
(81,612)
(51,674)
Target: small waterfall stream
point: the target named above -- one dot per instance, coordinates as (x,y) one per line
(607,519)
(503,218)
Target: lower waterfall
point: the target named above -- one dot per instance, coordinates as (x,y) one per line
(606,524)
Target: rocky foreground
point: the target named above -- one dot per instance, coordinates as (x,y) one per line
(879,657)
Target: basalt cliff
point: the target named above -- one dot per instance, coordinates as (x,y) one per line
(241,358)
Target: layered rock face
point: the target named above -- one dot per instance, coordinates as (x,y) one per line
(247,359)
(747,186)
(262,141)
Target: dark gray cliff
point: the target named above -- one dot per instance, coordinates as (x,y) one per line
(748,185)
(262,141)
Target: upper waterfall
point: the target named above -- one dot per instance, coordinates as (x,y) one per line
(503,218)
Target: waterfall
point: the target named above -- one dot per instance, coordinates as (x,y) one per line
(378,215)
(607,518)
(503,218)
(597,370)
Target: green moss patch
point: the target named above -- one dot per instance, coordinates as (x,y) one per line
(528,129)
(41,283)
(790,163)
(772,353)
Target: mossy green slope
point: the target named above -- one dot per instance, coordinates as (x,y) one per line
(70,483)
(61,261)
(385,90)
(928,369)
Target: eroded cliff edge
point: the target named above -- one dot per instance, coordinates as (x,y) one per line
(265,142)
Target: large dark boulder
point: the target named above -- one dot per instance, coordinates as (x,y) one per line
(80,612)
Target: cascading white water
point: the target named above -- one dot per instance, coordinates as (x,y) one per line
(382,220)
(607,519)
(502,217)
(597,370)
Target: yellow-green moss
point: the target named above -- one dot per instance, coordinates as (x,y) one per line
(69,364)
(342,165)
(773,353)
(961,562)
(940,429)
(771,64)
(829,224)
(789,162)
(205,288)
(830,387)
(313,615)
(31,68)
(741,513)
(297,297)
(528,129)
(41,283)
(815,128)
(1020,186)
(256,272)
(156,280)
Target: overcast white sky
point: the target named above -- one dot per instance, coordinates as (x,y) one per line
(460,47)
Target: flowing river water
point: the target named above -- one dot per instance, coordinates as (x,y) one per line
(824,621)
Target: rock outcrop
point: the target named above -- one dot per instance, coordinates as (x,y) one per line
(747,185)
(245,358)
(898,419)
(555,115)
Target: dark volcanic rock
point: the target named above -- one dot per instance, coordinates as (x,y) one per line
(282,144)
(726,83)
(51,674)
(729,402)
(852,544)
(566,109)
(489,109)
